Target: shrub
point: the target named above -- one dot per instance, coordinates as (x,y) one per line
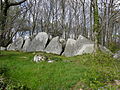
(4,70)
(6,83)
(17,86)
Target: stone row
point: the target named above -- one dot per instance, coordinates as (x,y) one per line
(56,45)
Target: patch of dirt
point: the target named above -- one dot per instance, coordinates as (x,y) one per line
(77,86)
(114,83)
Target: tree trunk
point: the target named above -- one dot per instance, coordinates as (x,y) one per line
(96,24)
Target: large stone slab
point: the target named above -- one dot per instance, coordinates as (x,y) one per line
(10,47)
(80,42)
(54,46)
(78,47)
(86,48)
(83,45)
(83,40)
(70,47)
(39,42)
(16,45)
(2,48)
(26,45)
(89,48)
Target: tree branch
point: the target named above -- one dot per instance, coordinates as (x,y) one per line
(17,3)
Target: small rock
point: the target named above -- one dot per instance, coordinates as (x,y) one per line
(38,58)
(50,61)
(117,82)
(117,55)
(81,89)
(105,50)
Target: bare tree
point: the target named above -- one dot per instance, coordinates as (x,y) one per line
(4,7)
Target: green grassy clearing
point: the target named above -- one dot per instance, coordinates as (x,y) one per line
(86,71)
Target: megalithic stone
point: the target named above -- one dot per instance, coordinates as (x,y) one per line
(39,42)
(54,46)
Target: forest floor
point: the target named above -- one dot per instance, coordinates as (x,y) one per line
(84,72)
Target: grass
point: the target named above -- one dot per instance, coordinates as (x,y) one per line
(72,73)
